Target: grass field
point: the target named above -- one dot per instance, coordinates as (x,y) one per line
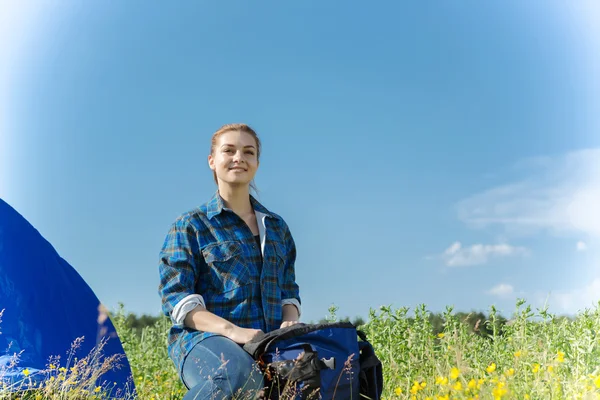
(535,356)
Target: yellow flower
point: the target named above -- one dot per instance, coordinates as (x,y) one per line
(536,367)
(415,388)
(441,335)
(398,391)
(471,384)
(454,372)
(560,356)
(518,353)
(597,382)
(526,397)
(441,380)
(97,389)
(510,372)
(550,368)
(491,368)
(457,386)
(26,372)
(423,384)
(498,392)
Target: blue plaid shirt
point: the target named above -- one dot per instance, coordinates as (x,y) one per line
(211,251)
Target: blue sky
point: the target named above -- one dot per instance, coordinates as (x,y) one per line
(443,154)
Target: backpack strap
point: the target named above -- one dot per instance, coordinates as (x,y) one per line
(262,342)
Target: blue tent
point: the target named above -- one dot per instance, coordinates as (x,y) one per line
(46,306)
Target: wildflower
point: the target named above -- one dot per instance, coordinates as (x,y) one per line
(398,391)
(471,384)
(97,389)
(550,368)
(510,372)
(597,382)
(441,335)
(457,386)
(560,356)
(518,354)
(499,391)
(536,367)
(491,368)
(423,384)
(415,388)
(26,372)
(441,380)
(454,372)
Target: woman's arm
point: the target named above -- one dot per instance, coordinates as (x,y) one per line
(290,315)
(290,291)
(203,320)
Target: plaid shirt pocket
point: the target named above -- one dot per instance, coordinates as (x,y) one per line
(229,277)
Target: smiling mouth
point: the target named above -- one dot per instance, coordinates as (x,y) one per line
(237,169)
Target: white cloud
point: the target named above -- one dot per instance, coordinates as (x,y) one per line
(572,301)
(581,246)
(560,196)
(458,256)
(502,290)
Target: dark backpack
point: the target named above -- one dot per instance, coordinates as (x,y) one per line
(318,361)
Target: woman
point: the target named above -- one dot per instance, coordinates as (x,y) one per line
(227,273)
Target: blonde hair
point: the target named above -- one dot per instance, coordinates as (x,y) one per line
(229,128)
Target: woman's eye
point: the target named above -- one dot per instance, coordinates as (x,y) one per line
(227,151)
(250,152)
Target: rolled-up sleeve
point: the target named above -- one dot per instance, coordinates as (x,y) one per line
(290,292)
(178,267)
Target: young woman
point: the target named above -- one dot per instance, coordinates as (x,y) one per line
(227,273)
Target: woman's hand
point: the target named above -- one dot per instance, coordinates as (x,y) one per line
(285,324)
(242,335)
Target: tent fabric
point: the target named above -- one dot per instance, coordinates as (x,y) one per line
(46,305)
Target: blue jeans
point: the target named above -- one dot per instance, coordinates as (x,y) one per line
(218,368)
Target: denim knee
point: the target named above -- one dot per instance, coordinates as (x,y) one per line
(218,368)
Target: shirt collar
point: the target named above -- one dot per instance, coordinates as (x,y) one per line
(216,205)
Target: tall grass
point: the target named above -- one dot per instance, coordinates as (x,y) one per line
(537,355)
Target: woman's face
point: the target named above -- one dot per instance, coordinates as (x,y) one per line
(234,158)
